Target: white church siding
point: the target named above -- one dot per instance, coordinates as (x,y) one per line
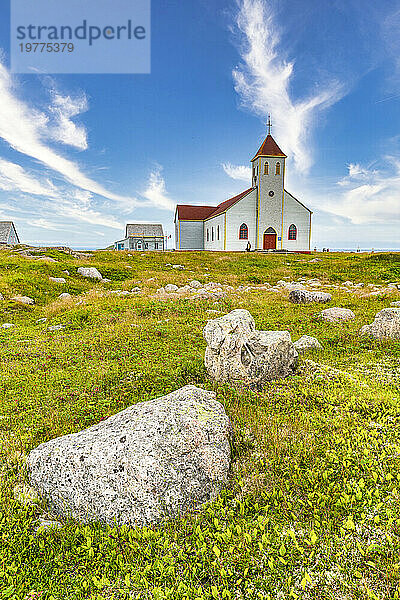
(297,214)
(190,235)
(243,211)
(211,225)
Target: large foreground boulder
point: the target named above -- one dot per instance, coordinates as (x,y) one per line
(153,460)
(385,325)
(300,296)
(238,354)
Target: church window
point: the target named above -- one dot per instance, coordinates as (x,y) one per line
(212,234)
(217,232)
(292,232)
(208,235)
(266,169)
(278,168)
(243,232)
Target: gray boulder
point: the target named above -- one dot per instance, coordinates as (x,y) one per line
(57,279)
(195,284)
(335,314)
(238,354)
(170,288)
(151,461)
(300,296)
(307,342)
(396,303)
(7,325)
(64,296)
(23,300)
(90,272)
(385,325)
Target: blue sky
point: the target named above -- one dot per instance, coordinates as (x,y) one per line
(81,155)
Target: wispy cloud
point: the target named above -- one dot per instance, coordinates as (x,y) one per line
(241,172)
(65,130)
(368,195)
(25,130)
(14,178)
(263,81)
(156,192)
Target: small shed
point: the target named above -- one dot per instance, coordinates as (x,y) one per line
(8,233)
(142,237)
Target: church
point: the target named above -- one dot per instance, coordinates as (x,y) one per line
(266,215)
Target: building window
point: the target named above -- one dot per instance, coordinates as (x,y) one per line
(212,234)
(155,245)
(278,168)
(146,246)
(266,169)
(217,232)
(243,232)
(208,235)
(292,232)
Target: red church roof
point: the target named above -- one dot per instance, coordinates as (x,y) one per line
(228,203)
(269,147)
(188,212)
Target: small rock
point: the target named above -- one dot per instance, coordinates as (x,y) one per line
(195,284)
(306,342)
(55,327)
(7,325)
(66,272)
(47,259)
(136,290)
(170,287)
(336,313)
(299,296)
(64,296)
(90,272)
(396,303)
(105,280)
(315,260)
(57,279)
(26,495)
(45,524)
(386,325)
(42,320)
(178,266)
(23,300)
(1,297)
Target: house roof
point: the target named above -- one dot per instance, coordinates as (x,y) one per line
(269,147)
(5,228)
(228,203)
(188,212)
(144,230)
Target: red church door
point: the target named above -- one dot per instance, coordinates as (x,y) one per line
(269,239)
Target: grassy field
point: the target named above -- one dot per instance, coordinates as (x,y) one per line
(313,509)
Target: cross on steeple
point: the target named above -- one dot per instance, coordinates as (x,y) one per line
(269,124)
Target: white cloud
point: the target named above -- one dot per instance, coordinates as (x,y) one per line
(65,131)
(370,196)
(14,178)
(263,82)
(24,129)
(241,172)
(156,192)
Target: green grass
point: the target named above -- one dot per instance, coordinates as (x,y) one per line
(313,506)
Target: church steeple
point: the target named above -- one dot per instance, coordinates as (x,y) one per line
(269,147)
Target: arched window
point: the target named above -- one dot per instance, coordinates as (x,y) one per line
(208,235)
(243,232)
(212,234)
(217,232)
(278,168)
(266,169)
(292,235)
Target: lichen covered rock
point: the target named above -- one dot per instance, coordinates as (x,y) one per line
(153,460)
